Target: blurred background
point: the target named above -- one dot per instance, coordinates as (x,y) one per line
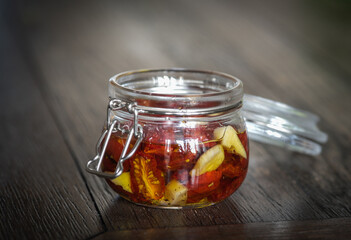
(264,44)
(282,50)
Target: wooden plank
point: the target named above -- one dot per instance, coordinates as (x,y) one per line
(324,229)
(77,53)
(42,193)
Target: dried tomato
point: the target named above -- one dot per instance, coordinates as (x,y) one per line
(199,187)
(182,176)
(194,197)
(231,171)
(172,156)
(108,164)
(183,156)
(113,152)
(147,180)
(114,147)
(244,163)
(181,160)
(226,188)
(205,182)
(155,149)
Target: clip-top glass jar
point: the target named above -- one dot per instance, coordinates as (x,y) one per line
(174,138)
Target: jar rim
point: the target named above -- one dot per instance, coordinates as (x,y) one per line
(114,79)
(194,89)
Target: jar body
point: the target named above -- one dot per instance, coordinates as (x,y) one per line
(174,138)
(181,162)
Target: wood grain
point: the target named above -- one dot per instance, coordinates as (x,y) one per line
(42,193)
(77,46)
(324,229)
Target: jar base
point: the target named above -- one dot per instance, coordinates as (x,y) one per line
(188,206)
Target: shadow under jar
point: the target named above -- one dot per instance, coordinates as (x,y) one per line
(174,138)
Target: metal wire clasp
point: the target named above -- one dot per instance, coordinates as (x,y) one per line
(94,165)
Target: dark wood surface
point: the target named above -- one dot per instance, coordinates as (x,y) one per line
(323,229)
(56,58)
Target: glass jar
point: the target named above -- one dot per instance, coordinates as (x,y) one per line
(174,138)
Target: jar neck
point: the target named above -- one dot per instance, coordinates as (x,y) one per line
(219,116)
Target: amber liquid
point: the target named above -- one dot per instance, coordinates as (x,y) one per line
(167,153)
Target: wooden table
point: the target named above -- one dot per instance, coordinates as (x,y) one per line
(56,59)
